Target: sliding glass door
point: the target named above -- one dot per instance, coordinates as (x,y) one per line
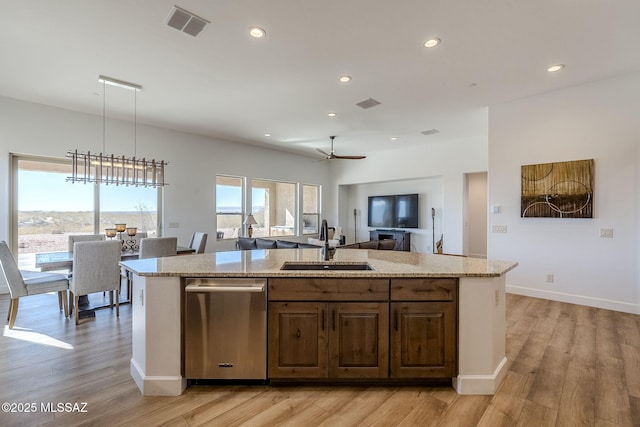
(46,208)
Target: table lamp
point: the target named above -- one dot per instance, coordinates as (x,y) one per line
(250,220)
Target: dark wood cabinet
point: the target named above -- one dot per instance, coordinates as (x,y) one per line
(423,328)
(297,340)
(362,328)
(359,340)
(402,238)
(320,340)
(422,340)
(315,333)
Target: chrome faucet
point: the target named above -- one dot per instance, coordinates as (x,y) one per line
(325,233)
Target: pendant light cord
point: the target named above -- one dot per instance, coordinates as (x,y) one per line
(135,123)
(104,109)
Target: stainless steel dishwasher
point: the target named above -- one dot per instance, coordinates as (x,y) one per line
(226,329)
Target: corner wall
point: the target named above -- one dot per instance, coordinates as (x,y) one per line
(597,121)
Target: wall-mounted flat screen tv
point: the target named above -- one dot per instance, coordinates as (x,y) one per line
(395,211)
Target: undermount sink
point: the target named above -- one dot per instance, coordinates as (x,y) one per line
(323,266)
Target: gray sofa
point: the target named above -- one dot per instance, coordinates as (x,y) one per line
(249,243)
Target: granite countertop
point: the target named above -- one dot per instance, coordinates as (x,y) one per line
(267,263)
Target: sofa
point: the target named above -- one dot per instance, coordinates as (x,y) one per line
(386,244)
(249,243)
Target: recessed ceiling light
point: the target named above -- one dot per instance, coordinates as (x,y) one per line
(257,32)
(344,79)
(267,134)
(432,42)
(331,114)
(393,138)
(555,68)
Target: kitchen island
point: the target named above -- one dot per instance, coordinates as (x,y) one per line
(472,291)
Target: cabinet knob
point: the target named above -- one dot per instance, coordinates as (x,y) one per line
(298,334)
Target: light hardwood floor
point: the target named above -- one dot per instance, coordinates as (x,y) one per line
(569,365)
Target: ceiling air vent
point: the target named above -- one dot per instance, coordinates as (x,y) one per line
(368,103)
(430,131)
(186,21)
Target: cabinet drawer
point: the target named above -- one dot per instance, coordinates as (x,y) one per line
(311,289)
(424,289)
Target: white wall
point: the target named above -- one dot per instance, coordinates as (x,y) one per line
(430,195)
(475,220)
(448,161)
(597,121)
(194,161)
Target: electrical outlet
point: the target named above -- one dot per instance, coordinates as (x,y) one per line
(606,233)
(499,228)
(549,278)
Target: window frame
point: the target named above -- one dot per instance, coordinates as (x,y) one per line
(317,214)
(243,186)
(296,206)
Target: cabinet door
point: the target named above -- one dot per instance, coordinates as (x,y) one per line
(297,340)
(423,339)
(359,340)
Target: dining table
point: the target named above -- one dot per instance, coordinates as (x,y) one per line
(63,260)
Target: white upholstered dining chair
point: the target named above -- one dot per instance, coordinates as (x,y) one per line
(73,238)
(26,283)
(158,247)
(95,269)
(198,242)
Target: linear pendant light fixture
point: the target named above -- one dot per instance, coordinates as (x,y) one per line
(117,170)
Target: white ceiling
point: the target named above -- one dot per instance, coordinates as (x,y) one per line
(227,85)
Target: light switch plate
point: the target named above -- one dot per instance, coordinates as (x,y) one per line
(499,228)
(606,233)
(174,225)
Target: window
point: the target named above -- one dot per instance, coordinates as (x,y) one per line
(134,206)
(274,208)
(310,209)
(46,208)
(229,212)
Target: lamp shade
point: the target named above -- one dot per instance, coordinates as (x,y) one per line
(250,220)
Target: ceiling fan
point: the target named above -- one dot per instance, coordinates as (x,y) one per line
(332,155)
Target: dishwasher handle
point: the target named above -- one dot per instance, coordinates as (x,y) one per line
(207,289)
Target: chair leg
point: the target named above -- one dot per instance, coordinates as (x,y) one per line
(62,296)
(117,303)
(76,298)
(13,312)
(111,300)
(70,302)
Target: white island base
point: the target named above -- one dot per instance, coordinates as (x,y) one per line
(156,365)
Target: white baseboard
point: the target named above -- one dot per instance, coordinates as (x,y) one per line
(481,384)
(155,385)
(624,307)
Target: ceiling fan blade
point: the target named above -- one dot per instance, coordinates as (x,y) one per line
(349,157)
(323,152)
